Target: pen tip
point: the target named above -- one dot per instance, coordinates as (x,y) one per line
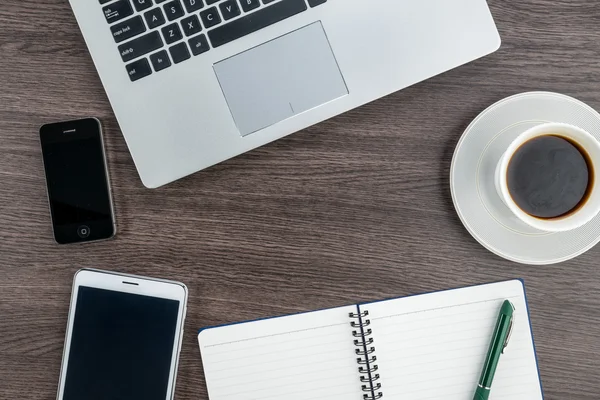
(507,308)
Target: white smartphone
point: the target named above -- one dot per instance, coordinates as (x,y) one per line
(123,338)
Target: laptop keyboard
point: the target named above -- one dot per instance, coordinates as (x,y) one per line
(152,35)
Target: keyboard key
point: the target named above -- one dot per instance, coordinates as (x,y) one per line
(173,10)
(128,29)
(249,5)
(138,69)
(191,25)
(159,1)
(141,5)
(193,5)
(314,3)
(104,1)
(199,44)
(140,46)
(179,52)
(257,20)
(268,1)
(229,9)
(117,11)
(210,17)
(209,2)
(172,33)
(160,60)
(154,18)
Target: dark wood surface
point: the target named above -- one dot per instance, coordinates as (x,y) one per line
(355,209)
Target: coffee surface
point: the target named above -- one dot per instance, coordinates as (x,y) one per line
(549,177)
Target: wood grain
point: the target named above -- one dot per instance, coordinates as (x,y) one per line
(354,209)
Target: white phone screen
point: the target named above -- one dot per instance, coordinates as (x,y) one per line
(121,346)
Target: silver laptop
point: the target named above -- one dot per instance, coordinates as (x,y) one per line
(195,82)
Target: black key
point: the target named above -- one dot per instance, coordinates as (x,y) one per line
(255,21)
(191,25)
(142,5)
(172,33)
(154,18)
(193,5)
(104,1)
(160,60)
(248,5)
(199,44)
(128,29)
(210,17)
(179,52)
(229,9)
(138,69)
(117,11)
(209,2)
(159,1)
(314,3)
(140,46)
(268,1)
(173,10)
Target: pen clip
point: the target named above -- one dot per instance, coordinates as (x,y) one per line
(510,329)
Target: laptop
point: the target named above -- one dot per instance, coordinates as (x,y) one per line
(196,82)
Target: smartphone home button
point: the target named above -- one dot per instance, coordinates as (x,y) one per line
(83,231)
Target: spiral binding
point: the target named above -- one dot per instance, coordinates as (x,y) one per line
(366,355)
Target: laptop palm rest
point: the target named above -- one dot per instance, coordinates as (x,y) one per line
(281,78)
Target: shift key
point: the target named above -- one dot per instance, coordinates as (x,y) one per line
(140,46)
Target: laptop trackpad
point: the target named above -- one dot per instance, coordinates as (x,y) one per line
(280,78)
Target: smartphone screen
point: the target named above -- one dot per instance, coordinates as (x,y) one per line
(121,346)
(78,185)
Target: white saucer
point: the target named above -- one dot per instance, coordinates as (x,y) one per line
(474,195)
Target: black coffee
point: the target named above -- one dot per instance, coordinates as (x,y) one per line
(550,177)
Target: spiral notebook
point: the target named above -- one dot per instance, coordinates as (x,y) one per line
(429,346)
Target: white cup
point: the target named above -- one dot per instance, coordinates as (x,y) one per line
(574,220)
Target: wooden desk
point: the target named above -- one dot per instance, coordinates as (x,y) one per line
(355,209)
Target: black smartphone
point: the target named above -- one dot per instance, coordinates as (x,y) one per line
(77,180)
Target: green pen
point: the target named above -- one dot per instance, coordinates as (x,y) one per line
(502,332)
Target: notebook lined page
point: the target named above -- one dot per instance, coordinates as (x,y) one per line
(300,357)
(433,346)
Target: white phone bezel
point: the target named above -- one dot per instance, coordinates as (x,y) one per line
(135,285)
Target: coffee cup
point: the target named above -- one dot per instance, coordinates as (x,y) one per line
(548,177)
